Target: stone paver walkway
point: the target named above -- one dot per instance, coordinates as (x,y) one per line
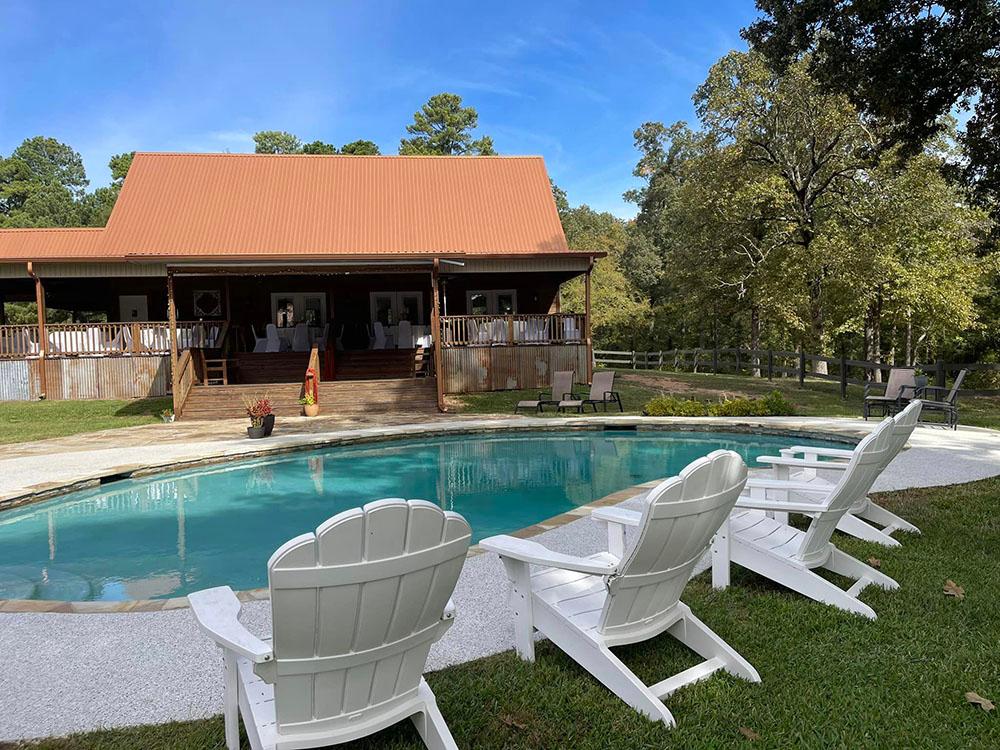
(75,672)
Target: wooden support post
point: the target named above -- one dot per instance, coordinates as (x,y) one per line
(436,333)
(739,366)
(802,366)
(172,318)
(770,364)
(43,337)
(939,373)
(715,360)
(3,311)
(586,323)
(843,372)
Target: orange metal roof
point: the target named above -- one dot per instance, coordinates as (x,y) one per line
(42,244)
(252,206)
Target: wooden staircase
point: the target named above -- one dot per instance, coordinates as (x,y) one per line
(276,367)
(354,398)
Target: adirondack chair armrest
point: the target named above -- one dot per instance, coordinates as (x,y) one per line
(800,463)
(782,506)
(216,611)
(617,515)
(533,553)
(795,450)
(770,483)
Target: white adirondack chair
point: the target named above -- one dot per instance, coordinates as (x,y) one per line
(801,464)
(355,608)
(767,545)
(586,605)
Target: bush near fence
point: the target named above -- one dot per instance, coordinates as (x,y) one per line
(771,363)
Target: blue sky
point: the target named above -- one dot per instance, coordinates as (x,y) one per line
(569,81)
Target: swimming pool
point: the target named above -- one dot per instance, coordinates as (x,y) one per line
(170,534)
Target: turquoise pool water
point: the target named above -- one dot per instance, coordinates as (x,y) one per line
(174,533)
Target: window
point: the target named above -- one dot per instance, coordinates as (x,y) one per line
(492,302)
(289,308)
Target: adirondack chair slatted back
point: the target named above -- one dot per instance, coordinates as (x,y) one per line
(602,383)
(903,425)
(562,382)
(872,455)
(680,518)
(899,377)
(356,607)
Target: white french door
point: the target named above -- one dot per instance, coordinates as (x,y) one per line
(388,308)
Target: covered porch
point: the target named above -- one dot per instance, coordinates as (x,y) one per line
(189,327)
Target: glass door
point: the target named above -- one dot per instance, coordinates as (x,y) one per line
(389,308)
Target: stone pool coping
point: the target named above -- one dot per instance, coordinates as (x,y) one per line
(849,432)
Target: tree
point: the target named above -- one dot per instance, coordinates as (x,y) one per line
(276,142)
(559,196)
(813,141)
(52,163)
(360,148)
(443,126)
(119,166)
(41,184)
(619,314)
(904,63)
(317,147)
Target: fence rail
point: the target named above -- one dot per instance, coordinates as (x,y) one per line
(512,330)
(107,339)
(771,363)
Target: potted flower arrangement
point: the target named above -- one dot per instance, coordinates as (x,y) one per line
(167,415)
(310,398)
(258,408)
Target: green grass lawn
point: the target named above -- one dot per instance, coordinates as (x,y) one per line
(23,421)
(817,398)
(830,679)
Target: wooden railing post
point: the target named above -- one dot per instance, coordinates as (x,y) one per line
(802,366)
(715,360)
(738,365)
(436,333)
(172,319)
(43,337)
(939,373)
(770,364)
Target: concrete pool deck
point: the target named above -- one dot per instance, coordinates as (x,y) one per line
(76,672)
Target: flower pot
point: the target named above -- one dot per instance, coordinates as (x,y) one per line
(263,431)
(311,410)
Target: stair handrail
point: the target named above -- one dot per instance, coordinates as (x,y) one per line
(312,369)
(186,377)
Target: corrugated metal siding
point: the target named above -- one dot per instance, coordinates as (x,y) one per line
(494,368)
(85,378)
(14,380)
(101,270)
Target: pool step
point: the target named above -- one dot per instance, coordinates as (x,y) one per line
(337,398)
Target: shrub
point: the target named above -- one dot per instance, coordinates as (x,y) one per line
(669,406)
(773,404)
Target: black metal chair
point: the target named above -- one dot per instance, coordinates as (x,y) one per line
(948,405)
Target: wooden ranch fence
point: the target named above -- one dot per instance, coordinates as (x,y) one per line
(771,363)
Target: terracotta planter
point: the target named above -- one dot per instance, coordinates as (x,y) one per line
(311,410)
(255,433)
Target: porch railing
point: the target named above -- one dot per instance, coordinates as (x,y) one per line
(106,339)
(513,330)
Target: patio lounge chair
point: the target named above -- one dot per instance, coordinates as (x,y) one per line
(801,464)
(901,385)
(562,388)
(355,608)
(601,392)
(948,406)
(587,605)
(768,546)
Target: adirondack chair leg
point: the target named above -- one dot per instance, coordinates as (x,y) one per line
(231,699)
(845,565)
(854,526)
(608,669)
(520,601)
(701,639)
(878,515)
(430,724)
(805,582)
(721,551)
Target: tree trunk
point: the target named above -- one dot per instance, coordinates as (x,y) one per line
(873,335)
(817,323)
(755,339)
(910,359)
